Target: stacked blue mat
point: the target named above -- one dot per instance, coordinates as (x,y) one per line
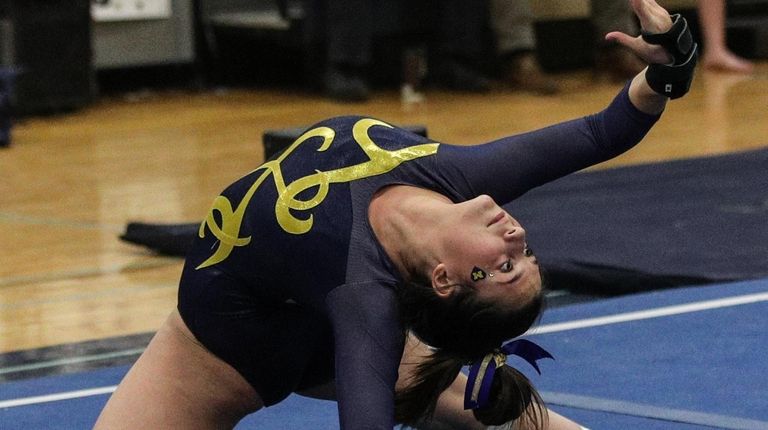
(652,226)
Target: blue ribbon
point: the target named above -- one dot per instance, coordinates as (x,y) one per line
(480,378)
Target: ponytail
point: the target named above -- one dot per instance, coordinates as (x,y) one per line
(464,329)
(513,398)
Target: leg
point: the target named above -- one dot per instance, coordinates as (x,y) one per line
(613,61)
(176,383)
(716,53)
(458,43)
(349,31)
(460,28)
(349,38)
(512,24)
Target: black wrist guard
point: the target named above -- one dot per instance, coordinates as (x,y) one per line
(673,80)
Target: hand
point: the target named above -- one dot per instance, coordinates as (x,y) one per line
(653,19)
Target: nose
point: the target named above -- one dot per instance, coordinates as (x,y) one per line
(484,201)
(514,232)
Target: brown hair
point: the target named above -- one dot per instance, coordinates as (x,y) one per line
(464,329)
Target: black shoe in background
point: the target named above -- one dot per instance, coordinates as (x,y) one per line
(346,84)
(521,71)
(454,75)
(616,64)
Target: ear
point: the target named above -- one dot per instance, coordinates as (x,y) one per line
(442,283)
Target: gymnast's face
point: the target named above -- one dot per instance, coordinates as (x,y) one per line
(485,248)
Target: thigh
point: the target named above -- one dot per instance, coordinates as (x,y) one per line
(176,383)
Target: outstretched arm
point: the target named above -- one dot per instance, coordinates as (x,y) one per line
(508,167)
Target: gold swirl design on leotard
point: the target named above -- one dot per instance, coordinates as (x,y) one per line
(380,161)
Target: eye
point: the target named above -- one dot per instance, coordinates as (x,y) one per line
(507,266)
(527,251)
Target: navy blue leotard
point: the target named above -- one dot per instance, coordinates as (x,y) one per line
(286,259)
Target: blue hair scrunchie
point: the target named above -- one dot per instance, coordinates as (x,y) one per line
(480,378)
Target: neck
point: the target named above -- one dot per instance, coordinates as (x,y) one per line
(403,219)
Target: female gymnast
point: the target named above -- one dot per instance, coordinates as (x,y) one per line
(312,273)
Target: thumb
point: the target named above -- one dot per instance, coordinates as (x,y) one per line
(622,38)
(649,53)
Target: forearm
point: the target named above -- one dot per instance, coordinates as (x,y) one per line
(643,97)
(450,412)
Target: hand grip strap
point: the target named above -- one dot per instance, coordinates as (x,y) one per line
(673,80)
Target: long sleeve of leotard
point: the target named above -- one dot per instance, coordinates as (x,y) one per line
(508,167)
(368,346)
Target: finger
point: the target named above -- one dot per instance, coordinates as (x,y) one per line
(649,53)
(622,38)
(653,18)
(641,11)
